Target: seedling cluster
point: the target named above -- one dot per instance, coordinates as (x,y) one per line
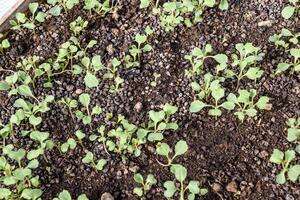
(289,41)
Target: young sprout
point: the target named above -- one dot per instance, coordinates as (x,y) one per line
(246,105)
(29,23)
(146,184)
(69,145)
(4,44)
(156,76)
(65,195)
(92,68)
(163,149)
(85,100)
(294,129)
(280,39)
(100,8)
(89,159)
(193,188)
(146,3)
(113,74)
(58,5)
(133,60)
(78,26)
(217,92)
(245,63)
(284,159)
(295,65)
(290,9)
(70,104)
(170,16)
(101,138)
(159,122)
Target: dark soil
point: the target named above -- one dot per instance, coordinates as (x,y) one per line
(221,151)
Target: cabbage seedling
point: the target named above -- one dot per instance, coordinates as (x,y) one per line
(113,74)
(163,149)
(281,39)
(294,129)
(5,44)
(217,92)
(146,184)
(100,8)
(70,104)
(89,159)
(295,65)
(193,188)
(159,122)
(29,23)
(246,105)
(78,26)
(92,68)
(245,63)
(65,195)
(284,159)
(85,100)
(290,9)
(58,5)
(101,138)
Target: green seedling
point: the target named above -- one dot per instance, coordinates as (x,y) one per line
(121,138)
(146,184)
(29,23)
(65,195)
(85,100)
(113,74)
(218,93)
(159,122)
(89,159)
(30,111)
(72,143)
(246,105)
(205,87)
(20,182)
(290,9)
(78,26)
(100,8)
(245,63)
(101,138)
(284,159)
(146,4)
(92,68)
(4,44)
(44,144)
(294,129)
(193,188)
(133,60)
(285,38)
(156,77)
(170,16)
(58,5)
(163,149)
(70,104)
(295,65)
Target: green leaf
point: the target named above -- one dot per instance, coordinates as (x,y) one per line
(31,194)
(295,53)
(33,7)
(64,195)
(82,197)
(55,11)
(280,178)
(197,106)
(181,147)
(277,156)
(151,179)
(179,171)
(84,99)
(224,5)
(262,103)
(294,173)
(228,105)
(215,112)
(100,164)
(4,86)
(145,3)
(88,157)
(25,91)
(209,3)
(289,155)
(138,178)
(169,109)
(138,191)
(156,116)
(91,80)
(193,187)
(40,17)
(4,193)
(170,189)
(162,149)
(35,120)
(254,73)
(288,12)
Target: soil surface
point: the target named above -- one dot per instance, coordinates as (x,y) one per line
(230,158)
